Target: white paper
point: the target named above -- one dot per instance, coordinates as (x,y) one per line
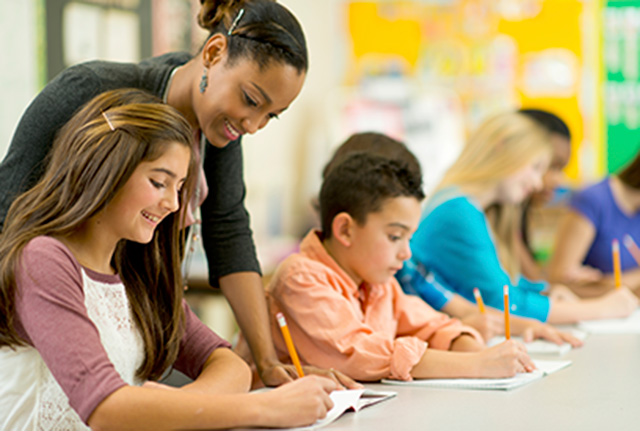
(629,325)
(543,368)
(536,347)
(342,401)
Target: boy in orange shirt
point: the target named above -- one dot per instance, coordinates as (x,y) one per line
(343,306)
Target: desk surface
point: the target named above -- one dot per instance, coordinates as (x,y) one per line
(599,391)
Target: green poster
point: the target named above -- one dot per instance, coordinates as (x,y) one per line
(621,40)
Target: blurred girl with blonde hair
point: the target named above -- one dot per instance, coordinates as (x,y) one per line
(455,244)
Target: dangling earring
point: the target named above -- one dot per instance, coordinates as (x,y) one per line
(204,81)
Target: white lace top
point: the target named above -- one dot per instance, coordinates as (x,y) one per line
(82,342)
(31,398)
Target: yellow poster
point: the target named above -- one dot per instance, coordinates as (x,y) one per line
(495,55)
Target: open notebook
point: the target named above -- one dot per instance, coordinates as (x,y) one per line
(629,325)
(348,400)
(543,368)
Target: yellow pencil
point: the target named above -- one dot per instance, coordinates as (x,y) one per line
(615,251)
(507,329)
(289,342)
(632,247)
(478,296)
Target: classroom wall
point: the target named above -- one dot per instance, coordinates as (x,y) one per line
(275,158)
(283,162)
(19,68)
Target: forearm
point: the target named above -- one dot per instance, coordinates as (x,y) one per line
(528,265)
(466,343)
(444,364)
(562,312)
(520,324)
(591,289)
(630,278)
(223,372)
(139,409)
(574,237)
(245,294)
(457,362)
(503,360)
(459,307)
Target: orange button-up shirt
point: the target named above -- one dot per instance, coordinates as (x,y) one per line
(368,334)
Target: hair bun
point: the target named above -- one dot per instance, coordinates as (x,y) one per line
(214,12)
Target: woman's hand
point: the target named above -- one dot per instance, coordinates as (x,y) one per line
(297,403)
(279,374)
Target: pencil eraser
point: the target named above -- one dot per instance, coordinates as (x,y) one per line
(281,320)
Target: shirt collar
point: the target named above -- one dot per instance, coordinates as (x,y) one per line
(312,248)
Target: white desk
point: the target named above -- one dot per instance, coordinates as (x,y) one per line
(599,391)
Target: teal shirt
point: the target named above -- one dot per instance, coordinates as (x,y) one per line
(454,242)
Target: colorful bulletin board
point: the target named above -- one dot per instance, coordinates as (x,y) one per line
(621,87)
(495,55)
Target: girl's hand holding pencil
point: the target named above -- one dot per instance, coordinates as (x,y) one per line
(298,403)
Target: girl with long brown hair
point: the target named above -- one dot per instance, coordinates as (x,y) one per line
(91,304)
(247,73)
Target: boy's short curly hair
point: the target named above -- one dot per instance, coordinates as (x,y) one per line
(374,143)
(359,185)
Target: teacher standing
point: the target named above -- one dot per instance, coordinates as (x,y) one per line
(250,69)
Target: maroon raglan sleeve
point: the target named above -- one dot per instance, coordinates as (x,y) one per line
(52,318)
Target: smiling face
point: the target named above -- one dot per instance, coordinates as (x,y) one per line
(377,249)
(149,195)
(241,97)
(518,186)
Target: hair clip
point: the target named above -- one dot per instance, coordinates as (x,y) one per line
(235,22)
(104,114)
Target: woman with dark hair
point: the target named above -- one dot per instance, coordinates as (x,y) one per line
(250,69)
(606,211)
(92,309)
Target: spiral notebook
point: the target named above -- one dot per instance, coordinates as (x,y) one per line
(543,368)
